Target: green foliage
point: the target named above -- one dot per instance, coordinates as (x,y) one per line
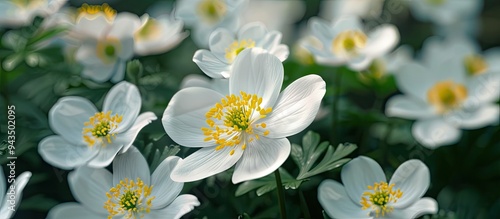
(268,183)
(307,155)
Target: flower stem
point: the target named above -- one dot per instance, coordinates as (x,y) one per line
(281,195)
(335,110)
(303,205)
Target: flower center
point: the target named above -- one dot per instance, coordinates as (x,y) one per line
(236,47)
(379,198)
(107,49)
(100,128)
(447,95)
(103,9)
(231,121)
(130,198)
(150,30)
(475,65)
(349,42)
(436,2)
(212,10)
(377,69)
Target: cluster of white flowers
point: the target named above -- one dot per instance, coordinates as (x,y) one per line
(242,117)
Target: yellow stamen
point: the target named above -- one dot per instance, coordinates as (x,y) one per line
(129,198)
(380,198)
(447,95)
(108,49)
(348,43)
(236,47)
(100,128)
(232,120)
(475,65)
(103,9)
(149,30)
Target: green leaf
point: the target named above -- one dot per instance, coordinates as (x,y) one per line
(38,202)
(268,183)
(44,35)
(244,216)
(307,155)
(159,156)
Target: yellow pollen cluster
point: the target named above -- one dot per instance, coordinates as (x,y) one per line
(475,65)
(348,42)
(236,47)
(379,197)
(236,113)
(129,198)
(212,10)
(105,9)
(100,127)
(447,95)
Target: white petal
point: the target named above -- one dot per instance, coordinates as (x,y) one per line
(19,184)
(124,25)
(382,40)
(67,116)
(321,29)
(362,62)
(89,187)
(179,207)
(105,155)
(92,26)
(257,72)
(475,118)
(204,163)
(360,173)
(185,115)
(99,72)
(435,132)
(408,107)
(118,71)
(281,51)
(123,99)
(484,88)
(62,154)
(254,31)
(195,80)
(413,178)
(210,64)
(333,198)
(295,108)
(492,58)
(131,165)
(2,184)
(165,189)
(414,79)
(220,40)
(271,40)
(73,210)
(421,207)
(127,138)
(347,23)
(260,158)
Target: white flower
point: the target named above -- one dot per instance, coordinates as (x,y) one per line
(157,35)
(445,12)
(248,127)
(367,195)
(130,192)
(204,16)
(345,42)
(107,41)
(88,137)
(22,12)
(443,99)
(12,193)
(225,47)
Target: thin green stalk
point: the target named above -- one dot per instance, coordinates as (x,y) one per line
(335,110)
(303,205)
(281,195)
(385,141)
